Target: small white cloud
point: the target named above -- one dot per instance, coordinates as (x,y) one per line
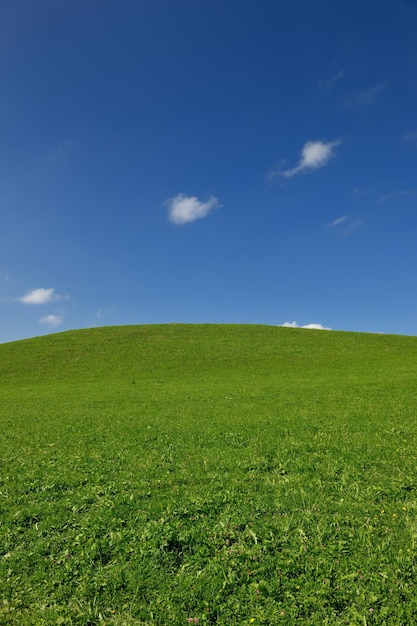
(309,326)
(96,319)
(339,221)
(183,209)
(52,320)
(39,296)
(314,155)
(346,224)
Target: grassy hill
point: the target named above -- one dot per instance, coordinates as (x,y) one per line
(220,474)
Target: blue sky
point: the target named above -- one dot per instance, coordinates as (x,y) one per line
(224,161)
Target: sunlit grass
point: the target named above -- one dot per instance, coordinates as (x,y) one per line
(226,474)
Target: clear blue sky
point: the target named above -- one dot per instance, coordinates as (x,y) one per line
(227,161)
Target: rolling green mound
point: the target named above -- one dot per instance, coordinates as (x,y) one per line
(220,474)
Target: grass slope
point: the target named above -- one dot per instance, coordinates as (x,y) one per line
(215,474)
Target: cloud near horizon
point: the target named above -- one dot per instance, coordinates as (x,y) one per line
(309,326)
(314,155)
(184,209)
(52,320)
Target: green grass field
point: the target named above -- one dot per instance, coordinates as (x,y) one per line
(166,475)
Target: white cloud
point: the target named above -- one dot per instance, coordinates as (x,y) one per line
(52,320)
(316,327)
(183,209)
(310,326)
(314,155)
(346,224)
(39,296)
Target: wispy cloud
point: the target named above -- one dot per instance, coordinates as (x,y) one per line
(310,326)
(329,84)
(362,191)
(51,320)
(411,137)
(314,155)
(183,209)
(363,97)
(61,152)
(346,224)
(395,195)
(41,296)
